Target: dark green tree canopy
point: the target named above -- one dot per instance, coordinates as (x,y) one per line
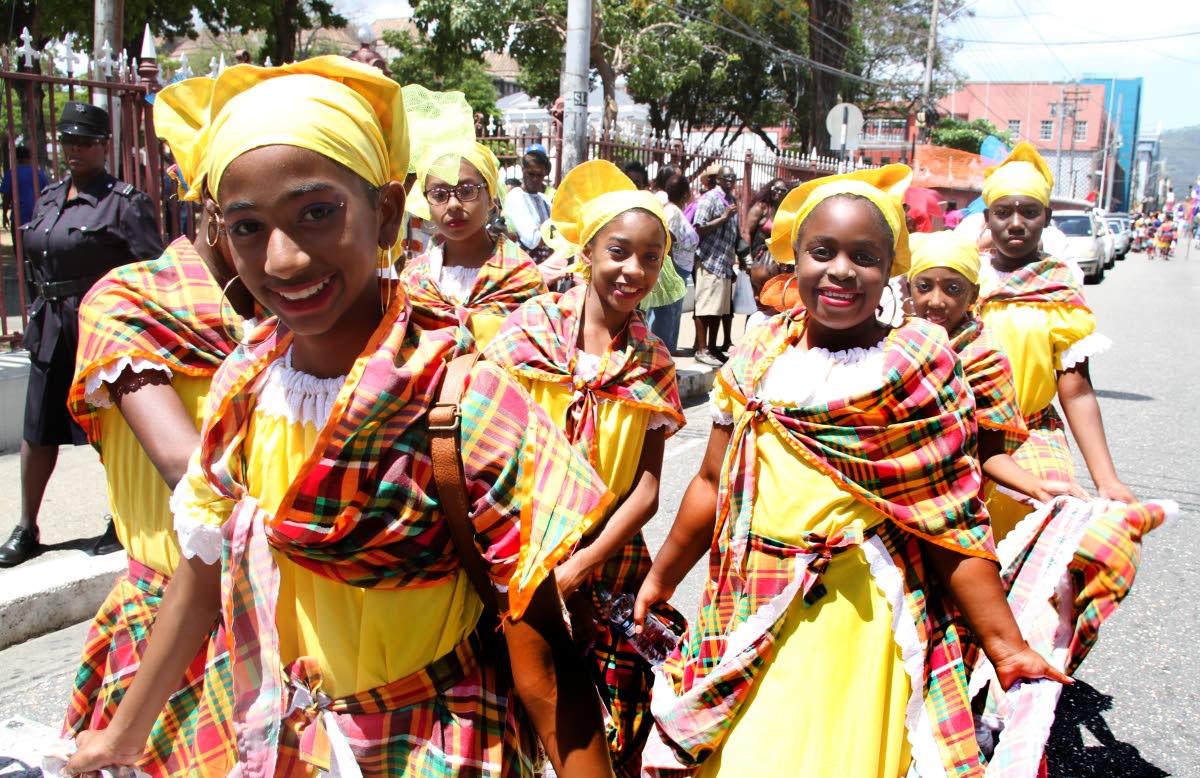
(964,135)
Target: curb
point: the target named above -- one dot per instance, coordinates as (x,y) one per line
(42,597)
(695,381)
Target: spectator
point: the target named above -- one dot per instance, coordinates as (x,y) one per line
(717,225)
(528,207)
(27,190)
(511,184)
(761,216)
(636,172)
(664,319)
(708,180)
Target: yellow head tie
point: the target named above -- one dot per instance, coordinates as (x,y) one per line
(590,196)
(1023,172)
(180,114)
(346,111)
(441,131)
(944,249)
(884,187)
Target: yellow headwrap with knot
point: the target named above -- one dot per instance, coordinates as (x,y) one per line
(945,249)
(441,134)
(590,196)
(344,110)
(882,186)
(1023,172)
(178,119)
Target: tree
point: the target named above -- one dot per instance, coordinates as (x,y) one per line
(963,135)
(416,65)
(282,20)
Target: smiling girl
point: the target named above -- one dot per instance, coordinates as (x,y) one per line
(476,275)
(589,360)
(308,518)
(838,497)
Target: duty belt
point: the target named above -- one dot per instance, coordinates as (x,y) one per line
(53,291)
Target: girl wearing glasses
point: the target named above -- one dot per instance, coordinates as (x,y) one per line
(587,358)
(470,271)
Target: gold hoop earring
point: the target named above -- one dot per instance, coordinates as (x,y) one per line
(386,269)
(212,233)
(224,326)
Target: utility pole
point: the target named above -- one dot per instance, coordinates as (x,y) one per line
(930,50)
(107,27)
(573,84)
(1116,139)
(1072,100)
(1058,111)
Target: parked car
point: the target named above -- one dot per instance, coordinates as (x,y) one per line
(1084,242)
(1122,230)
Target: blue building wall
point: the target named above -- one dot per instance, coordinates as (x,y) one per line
(1130,92)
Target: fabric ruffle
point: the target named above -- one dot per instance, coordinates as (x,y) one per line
(297,396)
(1082,350)
(196,538)
(96,391)
(815,376)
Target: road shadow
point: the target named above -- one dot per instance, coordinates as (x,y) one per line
(15,768)
(1080,708)
(1111,394)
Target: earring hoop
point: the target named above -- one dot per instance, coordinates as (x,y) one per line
(212,233)
(386,269)
(225,326)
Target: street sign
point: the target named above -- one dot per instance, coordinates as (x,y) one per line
(845,125)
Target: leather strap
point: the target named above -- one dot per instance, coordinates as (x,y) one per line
(445,449)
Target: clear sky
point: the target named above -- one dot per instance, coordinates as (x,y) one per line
(1170,67)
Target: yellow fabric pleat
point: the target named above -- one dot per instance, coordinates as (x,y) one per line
(831,704)
(137,494)
(484,327)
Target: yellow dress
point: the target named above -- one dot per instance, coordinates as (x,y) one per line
(137,494)
(832,701)
(361,638)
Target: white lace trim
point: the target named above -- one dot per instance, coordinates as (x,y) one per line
(815,376)
(660,421)
(297,396)
(96,390)
(718,416)
(1081,350)
(927,757)
(196,539)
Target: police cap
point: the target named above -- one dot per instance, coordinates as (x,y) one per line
(84,120)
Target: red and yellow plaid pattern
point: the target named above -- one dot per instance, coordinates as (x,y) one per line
(1044,282)
(539,341)
(990,377)
(363,510)
(166,310)
(505,281)
(184,740)
(902,451)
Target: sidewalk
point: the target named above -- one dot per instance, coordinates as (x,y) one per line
(63,585)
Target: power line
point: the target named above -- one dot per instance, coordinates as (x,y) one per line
(1079,43)
(1038,33)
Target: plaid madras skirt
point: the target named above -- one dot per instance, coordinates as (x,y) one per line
(454,717)
(1046,454)
(188,738)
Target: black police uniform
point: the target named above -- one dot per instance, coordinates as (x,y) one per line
(69,245)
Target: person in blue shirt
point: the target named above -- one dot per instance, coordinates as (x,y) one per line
(29,183)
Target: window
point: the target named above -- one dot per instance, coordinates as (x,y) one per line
(1046,130)
(1014,127)
(1081,130)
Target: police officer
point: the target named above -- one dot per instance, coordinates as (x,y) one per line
(82,227)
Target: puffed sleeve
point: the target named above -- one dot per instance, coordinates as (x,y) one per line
(199,513)
(1073,336)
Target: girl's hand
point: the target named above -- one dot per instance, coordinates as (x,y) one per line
(1028,664)
(97,749)
(652,593)
(572,574)
(1048,489)
(1115,490)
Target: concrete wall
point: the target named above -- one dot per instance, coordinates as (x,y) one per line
(14,375)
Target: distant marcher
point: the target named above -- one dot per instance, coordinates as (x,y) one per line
(717,225)
(81,227)
(27,191)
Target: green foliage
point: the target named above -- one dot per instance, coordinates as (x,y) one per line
(965,136)
(417,64)
(282,20)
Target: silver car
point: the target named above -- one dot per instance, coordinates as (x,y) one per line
(1085,242)
(1122,234)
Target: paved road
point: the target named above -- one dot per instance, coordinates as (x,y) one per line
(1133,711)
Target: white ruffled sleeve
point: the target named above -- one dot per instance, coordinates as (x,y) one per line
(721,405)
(96,390)
(199,513)
(1082,350)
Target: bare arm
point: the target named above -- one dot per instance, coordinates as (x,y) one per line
(638,507)
(550,679)
(159,420)
(691,534)
(753,219)
(1079,404)
(974,584)
(1004,470)
(185,619)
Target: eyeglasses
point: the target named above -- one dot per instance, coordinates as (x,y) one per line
(466,193)
(729,178)
(79,141)
(779,189)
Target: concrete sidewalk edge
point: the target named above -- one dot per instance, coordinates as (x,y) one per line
(40,597)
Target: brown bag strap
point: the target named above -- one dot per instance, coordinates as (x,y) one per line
(446,451)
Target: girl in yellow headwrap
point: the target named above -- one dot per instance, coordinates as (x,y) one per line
(836,489)
(308,519)
(589,359)
(477,275)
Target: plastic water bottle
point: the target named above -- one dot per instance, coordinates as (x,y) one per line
(654,643)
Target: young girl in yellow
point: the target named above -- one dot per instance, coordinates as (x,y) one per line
(467,271)
(839,498)
(309,519)
(587,357)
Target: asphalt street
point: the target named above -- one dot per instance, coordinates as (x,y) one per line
(1133,712)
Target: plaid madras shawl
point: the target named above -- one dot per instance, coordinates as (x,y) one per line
(363,510)
(180,742)
(165,310)
(990,377)
(901,451)
(1046,281)
(505,281)
(539,342)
